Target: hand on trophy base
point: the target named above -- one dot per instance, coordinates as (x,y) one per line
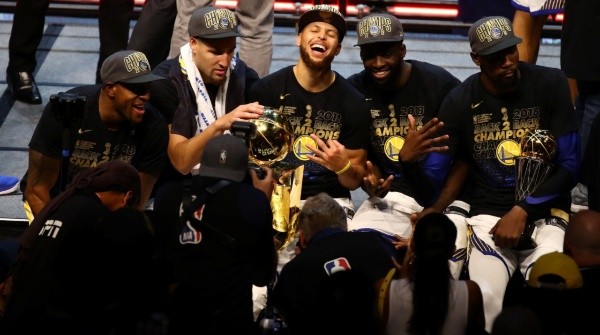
(526,242)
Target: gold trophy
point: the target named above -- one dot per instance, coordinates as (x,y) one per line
(534,163)
(269,146)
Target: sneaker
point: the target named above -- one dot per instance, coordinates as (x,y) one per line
(8,184)
(579,198)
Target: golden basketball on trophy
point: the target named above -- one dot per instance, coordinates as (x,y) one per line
(539,144)
(273,138)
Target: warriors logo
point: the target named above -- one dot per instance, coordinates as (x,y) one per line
(300,149)
(392,147)
(506,152)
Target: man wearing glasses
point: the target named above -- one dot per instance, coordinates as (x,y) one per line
(90,125)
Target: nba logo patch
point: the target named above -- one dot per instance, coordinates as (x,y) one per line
(335,265)
(189,235)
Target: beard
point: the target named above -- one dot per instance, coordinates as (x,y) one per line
(319,65)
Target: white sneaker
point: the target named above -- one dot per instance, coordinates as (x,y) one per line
(579,198)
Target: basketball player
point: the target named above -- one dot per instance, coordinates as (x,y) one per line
(328,115)
(395,88)
(485,119)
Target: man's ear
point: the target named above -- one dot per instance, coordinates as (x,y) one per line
(475,58)
(338,48)
(128,198)
(302,239)
(403,50)
(298,40)
(110,89)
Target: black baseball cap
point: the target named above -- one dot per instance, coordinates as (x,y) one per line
(127,66)
(379,27)
(324,13)
(212,22)
(492,34)
(225,156)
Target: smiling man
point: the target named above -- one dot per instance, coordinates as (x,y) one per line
(90,125)
(395,87)
(328,115)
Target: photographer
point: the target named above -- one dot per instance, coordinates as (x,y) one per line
(90,125)
(218,239)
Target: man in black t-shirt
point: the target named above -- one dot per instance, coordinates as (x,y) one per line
(90,125)
(485,119)
(328,115)
(395,88)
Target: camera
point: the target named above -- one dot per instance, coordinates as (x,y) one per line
(67,107)
(244,130)
(247,131)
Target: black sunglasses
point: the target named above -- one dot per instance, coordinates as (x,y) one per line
(138,89)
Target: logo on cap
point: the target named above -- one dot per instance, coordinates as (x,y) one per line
(374,26)
(220,18)
(136,62)
(493,29)
(223,156)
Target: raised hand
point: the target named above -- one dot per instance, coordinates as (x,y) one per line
(331,155)
(419,142)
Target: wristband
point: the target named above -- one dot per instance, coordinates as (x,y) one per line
(344,169)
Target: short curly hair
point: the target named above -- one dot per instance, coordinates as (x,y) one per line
(319,212)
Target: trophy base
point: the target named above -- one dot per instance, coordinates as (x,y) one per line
(526,242)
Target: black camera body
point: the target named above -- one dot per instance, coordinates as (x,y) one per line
(247,131)
(67,107)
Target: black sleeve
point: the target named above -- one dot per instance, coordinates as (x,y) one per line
(164,97)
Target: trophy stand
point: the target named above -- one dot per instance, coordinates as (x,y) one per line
(268,147)
(533,165)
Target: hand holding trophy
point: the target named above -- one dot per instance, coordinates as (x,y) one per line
(269,146)
(534,163)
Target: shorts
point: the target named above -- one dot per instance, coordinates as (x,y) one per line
(540,7)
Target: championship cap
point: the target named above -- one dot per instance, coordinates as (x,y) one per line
(127,66)
(212,22)
(380,27)
(492,34)
(323,13)
(555,270)
(225,156)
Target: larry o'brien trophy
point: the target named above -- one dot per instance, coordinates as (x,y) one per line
(534,163)
(273,140)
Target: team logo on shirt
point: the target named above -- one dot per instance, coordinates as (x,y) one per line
(392,147)
(506,152)
(335,265)
(300,149)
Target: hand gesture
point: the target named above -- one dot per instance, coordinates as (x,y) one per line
(373,185)
(420,142)
(331,155)
(508,229)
